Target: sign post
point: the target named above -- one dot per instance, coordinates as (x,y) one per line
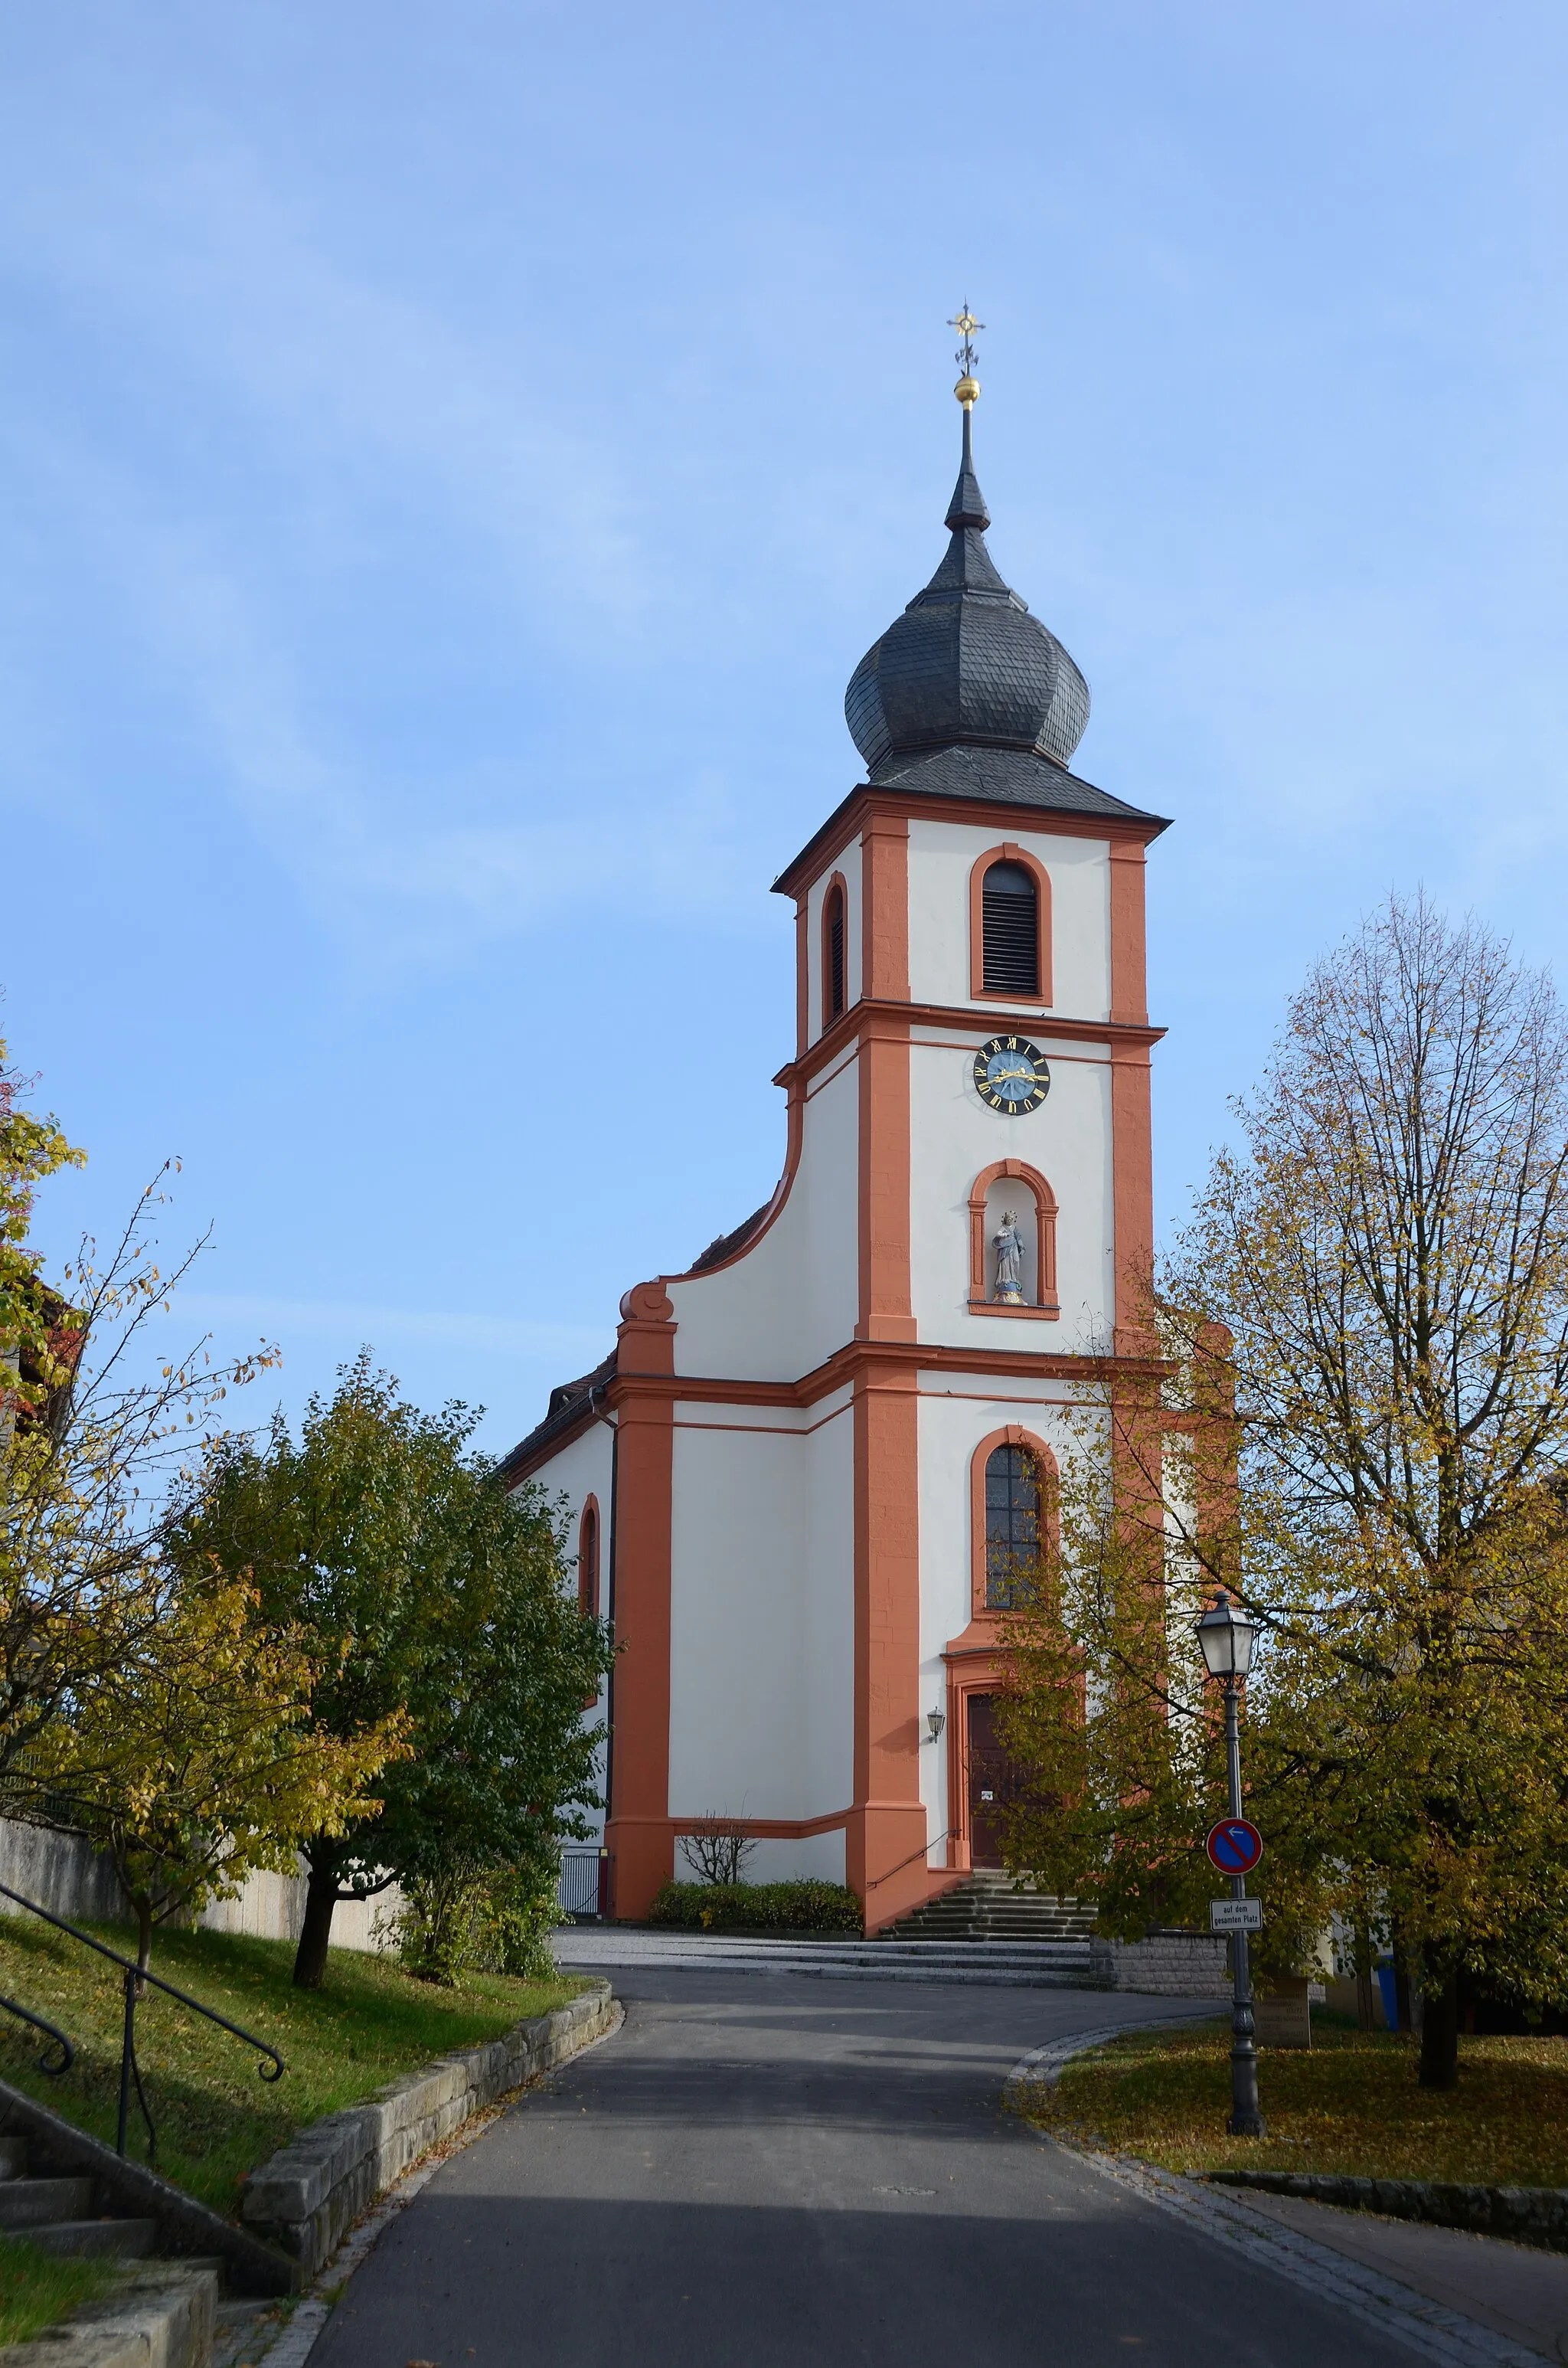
(1226,1637)
(1234,1846)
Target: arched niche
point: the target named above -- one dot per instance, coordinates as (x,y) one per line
(1013,1184)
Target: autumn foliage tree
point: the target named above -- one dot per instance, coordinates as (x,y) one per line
(426,1592)
(101,1432)
(1387,1252)
(194,1759)
(36,1325)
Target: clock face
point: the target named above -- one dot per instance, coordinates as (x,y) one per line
(1011,1075)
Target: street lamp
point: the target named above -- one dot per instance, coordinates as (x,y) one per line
(1227,1637)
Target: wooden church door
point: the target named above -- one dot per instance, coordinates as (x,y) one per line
(992,1782)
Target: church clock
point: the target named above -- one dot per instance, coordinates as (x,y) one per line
(1011,1075)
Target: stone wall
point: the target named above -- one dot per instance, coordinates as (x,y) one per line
(64,1873)
(1165,1965)
(312,2192)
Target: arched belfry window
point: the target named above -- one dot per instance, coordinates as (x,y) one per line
(832,950)
(1010,917)
(1009,922)
(1012,1525)
(589,1561)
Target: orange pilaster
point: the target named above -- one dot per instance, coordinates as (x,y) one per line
(638,1833)
(887,1831)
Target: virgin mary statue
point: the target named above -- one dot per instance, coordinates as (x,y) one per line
(1009,1245)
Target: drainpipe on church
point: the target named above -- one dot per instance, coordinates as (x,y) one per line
(613,1427)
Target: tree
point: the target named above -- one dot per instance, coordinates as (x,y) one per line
(36,1326)
(424,1590)
(194,1759)
(716,1849)
(92,1468)
(1387,1250)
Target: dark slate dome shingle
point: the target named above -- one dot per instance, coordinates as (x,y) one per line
(966,665)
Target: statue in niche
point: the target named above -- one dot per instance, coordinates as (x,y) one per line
(1009,1245)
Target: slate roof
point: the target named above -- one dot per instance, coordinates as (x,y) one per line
(568,1400)
(1012,776)
(966,662)
(724,1246)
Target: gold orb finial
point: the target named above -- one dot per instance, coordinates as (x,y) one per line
(968,388)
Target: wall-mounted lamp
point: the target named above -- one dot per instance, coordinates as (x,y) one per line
(936,1720)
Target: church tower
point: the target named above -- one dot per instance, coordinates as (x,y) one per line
(813,1456)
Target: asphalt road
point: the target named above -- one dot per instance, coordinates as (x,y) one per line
(770,2172)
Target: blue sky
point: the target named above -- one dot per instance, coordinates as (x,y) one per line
(455,455)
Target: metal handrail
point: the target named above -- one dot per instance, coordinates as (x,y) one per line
(135,1977)
(924,1851)
(58,2039)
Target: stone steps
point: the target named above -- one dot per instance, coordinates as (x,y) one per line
(987,1907)
(58,2214)
(128,2239)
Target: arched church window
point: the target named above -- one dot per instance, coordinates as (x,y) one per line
(1012,1525)
(832,955)
(1009,902)
(588,1562)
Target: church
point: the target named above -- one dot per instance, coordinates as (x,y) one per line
(799,1482)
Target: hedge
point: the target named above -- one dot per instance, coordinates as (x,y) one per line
(758,1907)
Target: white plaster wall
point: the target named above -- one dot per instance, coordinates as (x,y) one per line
(761,1650)
(942,855)
(818,1856)
(848,862)
(792,1300)
(954,1135)
(580,1469)
(828,1612)
(957,1411)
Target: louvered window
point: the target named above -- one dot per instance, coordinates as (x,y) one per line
(834,982)
(1012,1526)
(1009,903)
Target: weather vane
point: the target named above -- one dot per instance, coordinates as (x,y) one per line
(964,322)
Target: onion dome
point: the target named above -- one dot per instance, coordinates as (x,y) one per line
(966,666)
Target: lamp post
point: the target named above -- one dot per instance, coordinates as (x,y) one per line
(1226,1636)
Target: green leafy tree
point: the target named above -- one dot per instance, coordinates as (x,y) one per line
(426,1592)
(194,1758)
(1387,1252)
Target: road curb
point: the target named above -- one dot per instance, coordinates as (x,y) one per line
(295,2340)
(305,2200)
(1525,2215)
(1435,2333)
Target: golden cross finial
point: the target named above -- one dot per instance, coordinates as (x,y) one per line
(964,322)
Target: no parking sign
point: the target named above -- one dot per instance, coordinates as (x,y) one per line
(1235,1845)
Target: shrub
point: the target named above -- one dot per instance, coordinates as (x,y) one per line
(490,1919)
(804,1906)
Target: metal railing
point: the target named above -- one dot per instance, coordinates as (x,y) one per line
(135,1977)
(56,2039)
(582,1891)
(924,1851)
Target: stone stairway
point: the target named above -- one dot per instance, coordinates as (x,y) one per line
(990,1905)
(172,2304)
(68,2215)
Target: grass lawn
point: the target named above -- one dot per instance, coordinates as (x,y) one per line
(36,2288)
(1350,2105)
(216,2120)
